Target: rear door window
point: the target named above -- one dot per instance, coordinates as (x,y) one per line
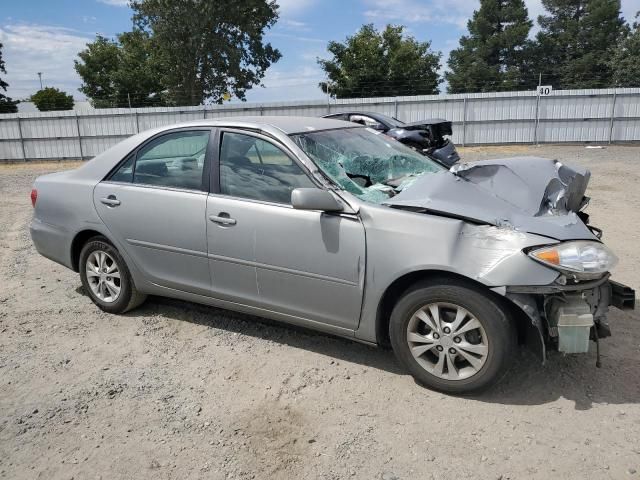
(174,160)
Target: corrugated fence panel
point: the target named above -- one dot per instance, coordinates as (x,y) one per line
(626,130)
(585,131)
(576,108)
(11,150)
(517,108)
(479,118)
(92,126)
(499,132)
(9,129)
(627,106)
(92,146)
(234,113)
(49,127)
(52,148)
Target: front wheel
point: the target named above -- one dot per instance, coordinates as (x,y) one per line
(106,278)
(451,337)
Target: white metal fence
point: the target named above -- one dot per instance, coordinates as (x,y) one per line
(576,116)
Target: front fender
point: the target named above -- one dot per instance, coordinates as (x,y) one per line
(400,242)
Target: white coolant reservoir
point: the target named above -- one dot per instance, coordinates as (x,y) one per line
(574,320)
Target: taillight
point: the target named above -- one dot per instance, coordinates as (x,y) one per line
(34,197)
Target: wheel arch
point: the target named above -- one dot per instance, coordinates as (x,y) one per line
(79,240)
(401,284)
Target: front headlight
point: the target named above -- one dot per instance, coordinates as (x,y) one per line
(581,258)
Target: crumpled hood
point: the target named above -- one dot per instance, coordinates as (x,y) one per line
(530,194)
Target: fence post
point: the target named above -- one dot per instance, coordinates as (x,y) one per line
(24,155)
(204,112)
(395,107)
(613,112)
(135,117)
(79,136)
(464,121)
(535,128)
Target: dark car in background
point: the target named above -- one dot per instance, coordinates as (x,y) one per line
(429,137)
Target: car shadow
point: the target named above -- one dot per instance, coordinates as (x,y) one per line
(331,346)
(528,382)
(574,378)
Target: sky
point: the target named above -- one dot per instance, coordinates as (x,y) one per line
(46,36)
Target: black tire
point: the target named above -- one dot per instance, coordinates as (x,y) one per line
(129,297)
(499,329)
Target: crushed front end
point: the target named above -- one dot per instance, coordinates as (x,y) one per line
(569,314)
(521,198)
(573,310)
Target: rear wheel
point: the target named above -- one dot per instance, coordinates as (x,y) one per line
(451,337)
(106,278)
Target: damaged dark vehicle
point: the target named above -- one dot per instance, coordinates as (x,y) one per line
(429,137)
(339,228)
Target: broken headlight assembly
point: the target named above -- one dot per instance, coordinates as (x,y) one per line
(581,259)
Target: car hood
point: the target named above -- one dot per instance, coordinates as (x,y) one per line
(534,195)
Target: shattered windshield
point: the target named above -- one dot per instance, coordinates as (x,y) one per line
(365,162)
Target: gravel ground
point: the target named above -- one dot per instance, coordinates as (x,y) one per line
(175,391)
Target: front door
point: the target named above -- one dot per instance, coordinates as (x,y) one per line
(306,264)
(154,205)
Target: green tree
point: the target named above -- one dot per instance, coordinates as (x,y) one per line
(121,73)
(576,41)
(387,63)
(49,99)
(625,62)
(206,48)
(495,56)
(7,105)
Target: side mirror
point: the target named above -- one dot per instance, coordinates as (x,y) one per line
(314,199)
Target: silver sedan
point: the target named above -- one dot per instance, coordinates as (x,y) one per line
(338,228)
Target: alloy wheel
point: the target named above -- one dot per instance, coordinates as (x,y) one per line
(103,276)
(447,341)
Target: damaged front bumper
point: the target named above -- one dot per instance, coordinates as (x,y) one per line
(567,317)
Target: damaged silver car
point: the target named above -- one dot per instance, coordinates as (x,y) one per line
(335,227)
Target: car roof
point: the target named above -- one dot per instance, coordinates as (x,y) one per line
(286,124)
(100,165)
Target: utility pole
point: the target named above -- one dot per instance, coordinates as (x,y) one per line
(40,77)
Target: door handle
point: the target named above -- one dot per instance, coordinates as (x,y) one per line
(110,201)
(222,220)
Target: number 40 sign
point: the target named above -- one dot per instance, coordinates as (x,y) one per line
(544,90)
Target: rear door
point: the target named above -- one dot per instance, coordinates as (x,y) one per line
(154,206)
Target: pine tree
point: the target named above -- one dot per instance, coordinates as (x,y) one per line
(625,63)
(7,105)
(576,41)
(494,56)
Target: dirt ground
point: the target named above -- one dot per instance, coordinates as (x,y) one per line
(179,391)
